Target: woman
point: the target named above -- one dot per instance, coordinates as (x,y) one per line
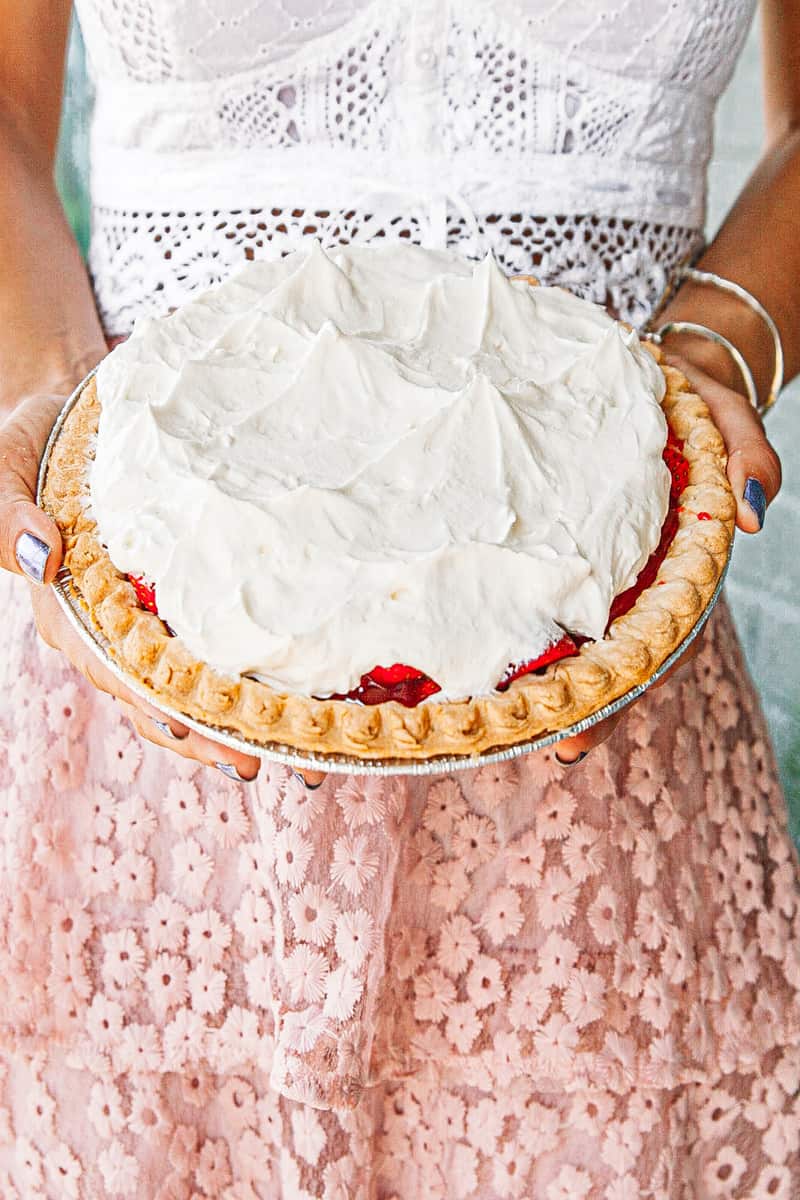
(554,980)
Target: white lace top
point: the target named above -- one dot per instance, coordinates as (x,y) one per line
(569,136)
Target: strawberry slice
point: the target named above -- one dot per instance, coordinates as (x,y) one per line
(678,466)
(679,470)
(409,686)
(625,601)
(406,685)
(564,648)
(145,592)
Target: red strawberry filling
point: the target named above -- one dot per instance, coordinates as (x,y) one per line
(145,592)
(409,686)
(404,684)
(565,647)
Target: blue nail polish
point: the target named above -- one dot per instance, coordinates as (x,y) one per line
(32,555)
(230,770)
(754,495)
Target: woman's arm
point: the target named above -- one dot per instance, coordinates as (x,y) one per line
(780,58)
(757,246)
(50,336)
(49,330)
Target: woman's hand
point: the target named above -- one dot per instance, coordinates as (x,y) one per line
(30,544)
(754,471)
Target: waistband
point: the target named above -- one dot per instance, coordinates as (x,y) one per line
(329,177)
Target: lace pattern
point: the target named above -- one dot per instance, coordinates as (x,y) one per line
(516,981)
(150,262)
(153,40)
(251,124)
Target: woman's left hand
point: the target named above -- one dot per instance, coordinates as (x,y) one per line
(754,471)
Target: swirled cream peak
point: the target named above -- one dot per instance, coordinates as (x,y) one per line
(350,458)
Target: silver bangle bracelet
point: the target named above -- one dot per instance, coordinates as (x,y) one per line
(736,289)
(713,336)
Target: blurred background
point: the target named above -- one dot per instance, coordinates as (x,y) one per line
(764,582)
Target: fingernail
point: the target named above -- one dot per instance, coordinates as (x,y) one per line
(32,555)
(754,495)
(230,770)
(165,729)
(312,787)
(572,761)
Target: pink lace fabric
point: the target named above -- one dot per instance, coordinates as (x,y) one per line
(514,981)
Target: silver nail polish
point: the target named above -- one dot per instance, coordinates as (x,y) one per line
(574,761)
(311,787)
(32,555)
(165,729)
(230,770)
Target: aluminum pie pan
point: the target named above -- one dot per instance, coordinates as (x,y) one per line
(78,615)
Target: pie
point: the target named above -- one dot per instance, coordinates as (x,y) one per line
(347,477)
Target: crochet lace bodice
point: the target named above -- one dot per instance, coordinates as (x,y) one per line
(571,137)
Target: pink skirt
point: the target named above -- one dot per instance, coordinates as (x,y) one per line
(514,981)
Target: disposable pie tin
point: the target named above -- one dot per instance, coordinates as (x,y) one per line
(78,615)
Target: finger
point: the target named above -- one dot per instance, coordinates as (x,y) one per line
(754,469)
(240,767)
(311,779)
(153,729)
(156,726)
(168,732)
(172,729)
(571,750)
(30,542)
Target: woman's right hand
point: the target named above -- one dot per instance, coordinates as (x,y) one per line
(30,544)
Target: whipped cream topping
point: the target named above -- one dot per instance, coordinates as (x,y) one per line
(380,454)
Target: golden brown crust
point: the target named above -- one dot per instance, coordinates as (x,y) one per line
(569,691)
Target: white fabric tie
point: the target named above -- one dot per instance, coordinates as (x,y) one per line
(435,201)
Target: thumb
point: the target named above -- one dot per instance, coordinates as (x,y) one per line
(30,542)
(754,469)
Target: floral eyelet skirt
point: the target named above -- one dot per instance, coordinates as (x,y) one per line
(514,981)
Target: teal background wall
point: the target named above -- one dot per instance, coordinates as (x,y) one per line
(764,582)
(73,150)
(763,586)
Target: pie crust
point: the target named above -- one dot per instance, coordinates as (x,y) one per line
(568,691)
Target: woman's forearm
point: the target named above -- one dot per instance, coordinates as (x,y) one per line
(50,333)
(758,246)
